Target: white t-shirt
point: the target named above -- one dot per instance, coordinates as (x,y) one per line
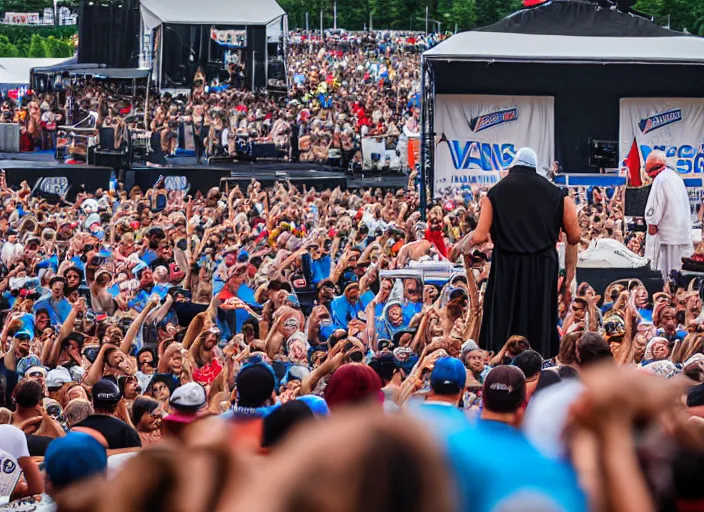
(13,447)
(13,441)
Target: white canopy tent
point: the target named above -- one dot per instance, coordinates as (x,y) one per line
(15,71)
(204,12)
(502,46)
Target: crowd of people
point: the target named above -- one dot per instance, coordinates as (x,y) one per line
(342,88)
(161,348)
(161,351)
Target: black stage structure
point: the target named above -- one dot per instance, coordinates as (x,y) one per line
(31,167)
(587,55)
(177,38)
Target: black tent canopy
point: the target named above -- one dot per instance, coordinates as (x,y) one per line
(586,56)
(578,18)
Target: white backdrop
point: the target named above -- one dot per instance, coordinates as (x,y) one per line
(674,125)
(482,134)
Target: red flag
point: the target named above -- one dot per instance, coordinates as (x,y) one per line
(633,164)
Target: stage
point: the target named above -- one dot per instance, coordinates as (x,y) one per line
(187,173)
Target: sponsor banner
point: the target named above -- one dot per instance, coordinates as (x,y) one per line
(231,38)
(21,18)
(478,136)
(57,185)
(179,183)
(673,125)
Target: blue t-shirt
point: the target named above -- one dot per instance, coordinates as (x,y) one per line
(410,310)
(343,311)
(495,463)
(316,270)
(148,256)
(58,311)
(245,293)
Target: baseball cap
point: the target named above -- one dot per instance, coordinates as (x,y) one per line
(25,333)
(504,389)
(188,398)
(57,378)
(448,376)
(353,383)
(74,457)
(106,394)
(255,384)
(26,363)
(316,403)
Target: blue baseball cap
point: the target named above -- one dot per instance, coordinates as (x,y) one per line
(448,371)
(317,404)
(74,457)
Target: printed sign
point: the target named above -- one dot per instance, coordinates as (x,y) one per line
(478,136)
(21,18)
(58,185)
(10,472)
(232,38)
(176,183)
(673,125)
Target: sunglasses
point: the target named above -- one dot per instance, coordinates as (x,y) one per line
(22,337)
(413,291)
(36,375)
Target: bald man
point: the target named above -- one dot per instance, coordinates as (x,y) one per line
(667,215)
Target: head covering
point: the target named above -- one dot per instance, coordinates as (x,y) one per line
(317,404)
(448,376)
(255,384)
(352,384)
(525,157)
(648,356)
(188,398)
(546,416)
(57,377)
(106,394)
(504,389)
(26,363)
(74,457)
(467,347)
(655,163)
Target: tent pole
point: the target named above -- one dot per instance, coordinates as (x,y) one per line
(423,136)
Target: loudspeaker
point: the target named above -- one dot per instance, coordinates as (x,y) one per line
(636,199)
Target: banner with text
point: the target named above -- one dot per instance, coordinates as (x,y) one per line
(673,125)
(478,136)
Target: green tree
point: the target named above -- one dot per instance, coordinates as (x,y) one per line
(37,47)
(25,5)
(53,47)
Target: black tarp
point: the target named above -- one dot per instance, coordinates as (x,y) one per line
(108,33)
(578,18)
